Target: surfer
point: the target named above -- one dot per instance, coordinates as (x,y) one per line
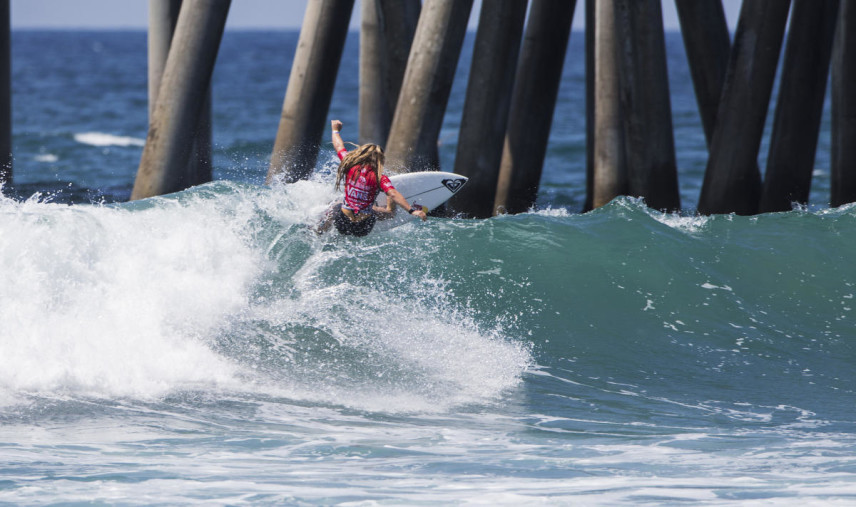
(362,172)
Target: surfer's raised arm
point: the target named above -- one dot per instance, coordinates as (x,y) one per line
(338,144)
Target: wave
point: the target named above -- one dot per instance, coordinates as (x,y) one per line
(224,287)
(720,314)
(103,301)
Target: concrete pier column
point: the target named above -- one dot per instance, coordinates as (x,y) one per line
(180,99)
(163,16)
(310,89)
(536,86)
(843,156)
(609,166)
(201,166)
(732,182)
(375,111)
(800,105)
(386,34)
(648,139)
(5,94)
(708,44)
(485,116)
(400,19)
(412,143)
(589,24)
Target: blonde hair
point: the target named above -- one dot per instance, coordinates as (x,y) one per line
(367,155)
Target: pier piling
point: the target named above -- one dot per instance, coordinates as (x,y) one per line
(163,16)
(485,115)
(5,95)
(310,89)
(400,19)
(843,157)
(386,33)
(536,86)
(707,43)
(180,98)
(646,105)
(589,66)
(418,117)
(732,181)
(799,105)
(609,169)
(375,108)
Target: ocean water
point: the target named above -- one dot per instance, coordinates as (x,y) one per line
(206,348)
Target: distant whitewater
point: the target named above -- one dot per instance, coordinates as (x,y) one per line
(101,139)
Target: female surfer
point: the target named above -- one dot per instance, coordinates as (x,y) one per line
(362,172)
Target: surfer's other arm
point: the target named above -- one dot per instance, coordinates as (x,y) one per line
(394,196)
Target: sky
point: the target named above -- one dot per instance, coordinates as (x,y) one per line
(243,14)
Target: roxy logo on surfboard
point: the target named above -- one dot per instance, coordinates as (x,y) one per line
(454,185)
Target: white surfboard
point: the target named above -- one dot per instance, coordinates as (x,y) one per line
(428,189)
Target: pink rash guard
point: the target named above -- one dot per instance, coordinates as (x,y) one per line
(362,187)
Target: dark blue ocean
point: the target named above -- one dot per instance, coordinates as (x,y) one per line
(206,348)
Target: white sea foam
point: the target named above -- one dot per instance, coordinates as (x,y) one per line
(288,453)
(109,302)
(710,286)
(103,139)
(112,302)
(689,223)
(422,359)
(553,212)
(675,220)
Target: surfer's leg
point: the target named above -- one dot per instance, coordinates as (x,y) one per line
(343,224)
(327,221)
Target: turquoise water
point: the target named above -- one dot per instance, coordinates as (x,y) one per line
(206,347)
